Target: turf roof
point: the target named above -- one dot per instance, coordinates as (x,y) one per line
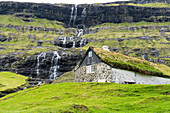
(121,61)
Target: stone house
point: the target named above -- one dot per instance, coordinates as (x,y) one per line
(95,68)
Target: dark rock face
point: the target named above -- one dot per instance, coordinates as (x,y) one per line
(3,38)
(87,14)
(43,65)
(151,1)
(140,1)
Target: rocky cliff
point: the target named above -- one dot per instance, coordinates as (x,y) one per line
(85,14)
(46,65)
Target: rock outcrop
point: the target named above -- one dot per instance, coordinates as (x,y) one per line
(70,42)
(3,38)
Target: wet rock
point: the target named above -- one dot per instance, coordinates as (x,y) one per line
(3,38)
(42,66)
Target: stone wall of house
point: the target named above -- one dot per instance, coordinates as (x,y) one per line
(104,72)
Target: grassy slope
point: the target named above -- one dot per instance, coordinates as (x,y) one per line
(89,97)
(10,19)
(10,80)
(116,30)
(66,77)
(20,42)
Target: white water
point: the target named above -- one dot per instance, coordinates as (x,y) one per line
(75,15)
(39,83)
(85,41)
(38,62)
(84,12)
(71,38)
(71,16)
(54,65)
(64,41)
(74,44)
(80,32)
(82,42)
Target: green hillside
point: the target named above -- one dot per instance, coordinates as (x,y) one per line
(89,97)
(20,42)
(10,80)
(12,19)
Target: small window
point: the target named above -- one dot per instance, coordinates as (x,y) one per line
(90,54)
(90,69)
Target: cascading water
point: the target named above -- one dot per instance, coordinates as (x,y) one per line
(54,65)
(64,41)
(80,32)
(74,44)
(38,62)
(85,41)
(71,16)
(75,15)
(82,42)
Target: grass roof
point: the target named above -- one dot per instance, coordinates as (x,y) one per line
(121,61)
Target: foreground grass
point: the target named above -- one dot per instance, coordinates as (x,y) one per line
(10,80)
(89,97)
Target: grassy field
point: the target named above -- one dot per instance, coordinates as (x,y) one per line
(10,80)
(89,97)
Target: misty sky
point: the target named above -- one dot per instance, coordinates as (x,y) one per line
(66,1)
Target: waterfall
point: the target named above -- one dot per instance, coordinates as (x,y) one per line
(54,65)
(80,32)
(38,62)
(75,15)
(64,41)
(71,38)
(71,16)
(74,44)
(82,42)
